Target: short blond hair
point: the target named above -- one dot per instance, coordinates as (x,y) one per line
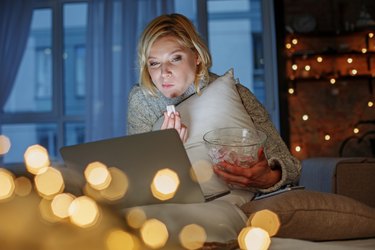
(182,28)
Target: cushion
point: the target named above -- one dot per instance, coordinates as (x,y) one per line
(219,106)
(316,216)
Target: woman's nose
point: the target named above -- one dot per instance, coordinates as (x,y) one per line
(165,71)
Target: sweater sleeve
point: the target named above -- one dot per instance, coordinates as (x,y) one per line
(276,150)
(140,116)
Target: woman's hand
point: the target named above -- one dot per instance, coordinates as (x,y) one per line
(174,121)
(259,174)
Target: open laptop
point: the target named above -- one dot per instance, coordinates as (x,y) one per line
(140,156)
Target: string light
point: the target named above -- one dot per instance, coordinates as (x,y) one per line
(332,80)
(307,67)
(327,137)
(364,50)
(295,41)
(298,149)
(353,72)
(291,91)
(356,130)
(305,117)
(319,59)
(349,60)
(288,46)
(370,104)
(294,67)
(371,35)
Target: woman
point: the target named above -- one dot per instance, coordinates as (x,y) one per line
(174,64)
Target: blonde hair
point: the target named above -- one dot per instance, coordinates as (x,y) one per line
(183,29)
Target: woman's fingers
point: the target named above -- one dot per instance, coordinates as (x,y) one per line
(174,121)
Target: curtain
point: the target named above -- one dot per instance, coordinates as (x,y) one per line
(113,31)
(15,22)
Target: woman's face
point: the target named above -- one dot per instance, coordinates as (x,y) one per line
(171,66)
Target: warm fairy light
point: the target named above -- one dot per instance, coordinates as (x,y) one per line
(7,185)
(370,104)
(294,41)
(154,233)
(119,239)
(201,171)
(265,219)
(319,59)
(364,50)
(254,238)
(60,205)
(135,217)
(294,67)
(349,60)
(327,137)
(36,159)
(371,35)
(84,212)
(97,175)
(288,46)
(307,67)
(4,144)
(353,72)
(192,236)
(356,130)
(298,149)
(332,80)
(291,91)
(305,117)
(23,186)
(46,212)
(165,184)
(118,185)
(49,183)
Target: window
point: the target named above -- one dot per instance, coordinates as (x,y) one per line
(235,41)
(50,82)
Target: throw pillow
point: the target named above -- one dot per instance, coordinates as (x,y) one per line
(316,216)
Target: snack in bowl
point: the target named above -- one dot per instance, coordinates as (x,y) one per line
(235,145)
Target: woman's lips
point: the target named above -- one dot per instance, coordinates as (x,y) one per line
(167,85)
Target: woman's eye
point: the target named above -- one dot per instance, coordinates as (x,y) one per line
(176,58)
(153,64)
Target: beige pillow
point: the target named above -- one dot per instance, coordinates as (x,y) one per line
(218,106)
(315,216)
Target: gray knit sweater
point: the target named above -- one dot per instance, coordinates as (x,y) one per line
(144,110)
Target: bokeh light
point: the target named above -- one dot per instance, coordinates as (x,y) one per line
(121,240)
(36,159)
(254,238)
(265,219)
(23,186)
(46,212)
(154,233)
(84,212)
(49,183)
(60,205)
(4,144)
(165,184)
(192,236)
(97,175)
(203,171)
(7,185)
(117,187)
(135,217)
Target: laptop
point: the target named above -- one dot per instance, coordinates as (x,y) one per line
(140,157)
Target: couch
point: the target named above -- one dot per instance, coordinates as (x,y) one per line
(352,177)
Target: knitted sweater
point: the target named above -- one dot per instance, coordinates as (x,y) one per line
(144,110)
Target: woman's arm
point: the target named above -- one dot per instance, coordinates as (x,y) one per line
(277,152)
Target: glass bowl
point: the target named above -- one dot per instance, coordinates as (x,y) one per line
(235,145)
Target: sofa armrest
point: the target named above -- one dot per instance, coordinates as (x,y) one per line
(352,177)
